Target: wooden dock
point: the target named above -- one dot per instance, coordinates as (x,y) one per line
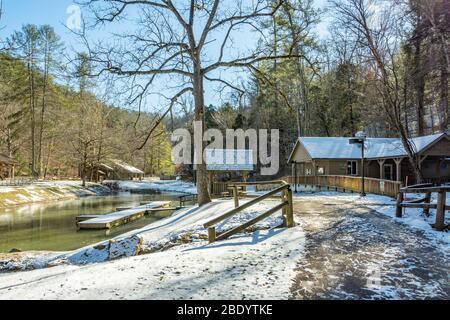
(119,218)
(87,217)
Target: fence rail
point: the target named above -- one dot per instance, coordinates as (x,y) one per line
(286,206)
(348,183)
(218,188)
(425,203)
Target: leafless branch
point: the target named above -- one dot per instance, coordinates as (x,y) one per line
(173,101)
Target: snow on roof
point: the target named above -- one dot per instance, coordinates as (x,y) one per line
(105,166)
(126,167)
(229,160)
(340,148)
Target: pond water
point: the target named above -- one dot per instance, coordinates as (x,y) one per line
(52,226)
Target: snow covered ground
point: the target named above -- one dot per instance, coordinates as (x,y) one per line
(258,266)
(329,254)
(156,185)
(185,226)
(354,252)
(47,191)
(386,205)
(179,263)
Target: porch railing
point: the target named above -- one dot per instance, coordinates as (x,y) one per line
(348,183)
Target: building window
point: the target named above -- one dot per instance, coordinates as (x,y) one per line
(388,172)
(352,168)
(320,171)
(308,172)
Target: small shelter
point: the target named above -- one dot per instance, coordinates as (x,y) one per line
(7,167)
(113,169)
(386,158)
(226,163)
(122,171)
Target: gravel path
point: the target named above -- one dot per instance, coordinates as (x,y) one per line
(357,253)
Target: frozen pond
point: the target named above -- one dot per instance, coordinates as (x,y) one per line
(52,227)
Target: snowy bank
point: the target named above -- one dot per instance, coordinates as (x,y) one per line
(161,186)
(185,226)
(170,259)
(47,191)
(252,266)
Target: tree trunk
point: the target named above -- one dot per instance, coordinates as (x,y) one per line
(414,159)
(47,162)
(419,80)
(444,98)
(31,70)
(202,175)
(44,102)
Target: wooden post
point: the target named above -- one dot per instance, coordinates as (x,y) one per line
(426,210)
(398,168)
(399,211)
(290,210)
(315,173)
(296,176)
(236,196)
(440,212)
(381,163)
(421,160)
(212,235)
(211,182)
(284,198)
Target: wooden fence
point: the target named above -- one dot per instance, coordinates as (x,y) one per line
(218,188)
(425,202)
(286,206)
(348,183)
(344,183)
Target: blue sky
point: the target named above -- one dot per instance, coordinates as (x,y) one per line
(54,13)
(19,12)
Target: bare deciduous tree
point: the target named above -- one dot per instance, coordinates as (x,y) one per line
(188,42)
(377,30)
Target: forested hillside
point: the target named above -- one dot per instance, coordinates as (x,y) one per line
(381,66)
(383,69)
(54,125)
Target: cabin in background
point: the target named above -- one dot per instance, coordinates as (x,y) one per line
(124,171)
(7,167)
(113,169)
(385,158)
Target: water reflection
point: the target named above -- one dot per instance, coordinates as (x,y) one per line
(53,226)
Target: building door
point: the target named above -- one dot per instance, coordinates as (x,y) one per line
(388,172)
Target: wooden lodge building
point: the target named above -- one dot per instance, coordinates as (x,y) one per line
(386,158)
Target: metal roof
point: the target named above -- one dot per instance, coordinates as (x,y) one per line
(375,148)
(229,160)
